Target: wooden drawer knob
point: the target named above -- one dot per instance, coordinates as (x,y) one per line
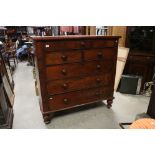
(64,72)
(98,67)
(98,80)
(65,86)
(99,54)
(82,44)
(64,57)
(65,100)
(97,93)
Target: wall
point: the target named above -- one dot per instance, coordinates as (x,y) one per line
(112,30)
(119,31)
(92,30)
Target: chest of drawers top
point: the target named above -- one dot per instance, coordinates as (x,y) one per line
(72,37)
(54,43)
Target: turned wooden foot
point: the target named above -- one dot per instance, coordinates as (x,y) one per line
(47,118)
(109,103)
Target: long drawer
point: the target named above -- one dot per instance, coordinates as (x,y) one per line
(61,86)
(77,70)
(72,99)
(63,57)
(78,44)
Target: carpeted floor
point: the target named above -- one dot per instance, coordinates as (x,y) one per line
(27,113)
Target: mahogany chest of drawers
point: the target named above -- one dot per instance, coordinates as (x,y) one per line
(73,71)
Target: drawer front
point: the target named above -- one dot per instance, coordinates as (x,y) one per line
(63,57)
(72,99)
(142,59)
(87,44)
(102,43)
(61,86)
(62,45)
(77,70)
(97,54)
(78,44)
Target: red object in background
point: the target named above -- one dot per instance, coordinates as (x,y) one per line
(75,29)
(66,28)
(10,31)
(70,29)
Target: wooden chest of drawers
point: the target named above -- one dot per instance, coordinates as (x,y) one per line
(73,71)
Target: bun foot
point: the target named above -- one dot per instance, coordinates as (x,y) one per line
(47,118)
(47,121)
(109,103)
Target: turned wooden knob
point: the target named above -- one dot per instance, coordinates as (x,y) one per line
(65,86)
(64,72)
(98,67)
(51,98)
(82,44)
(65,100)
(99,55)
(64,57)
(98,80)
(97,93)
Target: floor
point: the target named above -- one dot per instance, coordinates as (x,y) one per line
(27,113)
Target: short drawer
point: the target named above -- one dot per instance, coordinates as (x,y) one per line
(100,54)
(102,43)
(89,44)
(73,99)
(78,70)
(63,57)
(63,45)
(61,86)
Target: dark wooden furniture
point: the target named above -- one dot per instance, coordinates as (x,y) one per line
(6,99)
(141,59)
(6,112)
(141,64)
(151,107)
(74,70)
(14,31)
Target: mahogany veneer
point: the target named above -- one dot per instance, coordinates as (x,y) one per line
(74,70)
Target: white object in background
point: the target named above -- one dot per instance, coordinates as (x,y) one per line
(121,61)
(30,30)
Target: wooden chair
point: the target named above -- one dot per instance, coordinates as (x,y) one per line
(11,57)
